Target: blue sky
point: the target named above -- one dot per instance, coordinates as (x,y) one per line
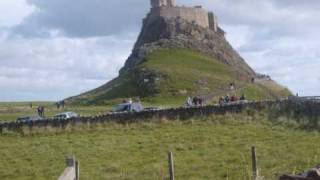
(53,49)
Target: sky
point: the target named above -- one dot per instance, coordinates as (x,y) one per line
(53,49)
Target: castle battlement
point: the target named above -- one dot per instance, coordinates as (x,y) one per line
(163,3)
(198,15)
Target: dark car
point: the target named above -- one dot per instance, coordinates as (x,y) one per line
(128,107)
(29,118)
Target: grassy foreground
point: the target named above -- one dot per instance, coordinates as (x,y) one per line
(213,148)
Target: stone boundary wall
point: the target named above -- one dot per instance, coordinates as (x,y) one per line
(299,108)
(131,117)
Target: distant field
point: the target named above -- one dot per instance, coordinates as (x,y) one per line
(213,148)
(11,111)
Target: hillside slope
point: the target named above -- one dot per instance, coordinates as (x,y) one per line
(189,73)
(174,58)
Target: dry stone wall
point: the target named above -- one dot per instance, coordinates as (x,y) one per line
(124,118)
(309,109)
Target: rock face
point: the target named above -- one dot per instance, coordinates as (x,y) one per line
(178,33)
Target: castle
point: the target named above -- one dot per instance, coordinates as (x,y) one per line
(198,15)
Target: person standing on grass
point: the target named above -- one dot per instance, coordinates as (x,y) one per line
(30,105)
(42,111)
(39,111)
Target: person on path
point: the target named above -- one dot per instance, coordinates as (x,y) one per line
(42,111)
(221,101)
(200,101)
(233,98)
(62,104)
(195,101)
(242,98)
(227,99)
(39,111)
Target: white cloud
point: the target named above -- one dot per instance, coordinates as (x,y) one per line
(12,12)
(55,68)
(51,49)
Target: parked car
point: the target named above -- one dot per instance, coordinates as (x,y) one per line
(128,107)
(66,115)
(29,118)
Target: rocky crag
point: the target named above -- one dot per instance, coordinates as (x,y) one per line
(140,77)
(179,33)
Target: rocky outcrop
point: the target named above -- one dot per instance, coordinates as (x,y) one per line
(178,33)
(313,174)
(167,33)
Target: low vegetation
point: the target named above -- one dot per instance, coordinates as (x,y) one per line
(216,147)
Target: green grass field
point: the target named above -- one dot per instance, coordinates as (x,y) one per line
(212,148)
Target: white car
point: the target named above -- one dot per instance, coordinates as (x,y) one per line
(66,115)
(128,107)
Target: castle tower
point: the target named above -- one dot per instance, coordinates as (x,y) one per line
(159,3)
(213,22)
(171,3)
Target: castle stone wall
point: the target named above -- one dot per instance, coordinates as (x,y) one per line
(158,3)
(197,15)
(213,21)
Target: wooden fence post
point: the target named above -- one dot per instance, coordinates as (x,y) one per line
(72,170)
(171,165)
(77,167)
(254,163)
(70,161)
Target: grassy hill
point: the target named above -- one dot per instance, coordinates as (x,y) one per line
(168,76)
(212,148)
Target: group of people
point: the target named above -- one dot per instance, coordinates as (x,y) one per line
(233,98)
(195,101)
(60,104)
